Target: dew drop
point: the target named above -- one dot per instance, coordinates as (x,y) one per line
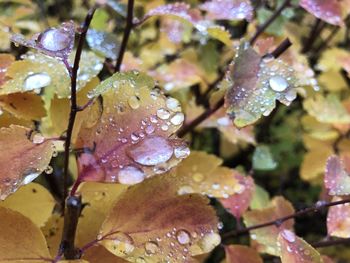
(288,235)
(151,247)
(36,81)
(182,152)
(186,189)
(55,40)
(278,83)
(131,175)
(198,177)
(48,169)
(29,177)
(38,138)
(134,102)
(177,119)
(163,114)
(291,95)
(173,104)
(151,151)
(149,129)
(183,237)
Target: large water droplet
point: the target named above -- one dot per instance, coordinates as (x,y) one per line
(183,237)
(38,138)
(133,102)
(36,81)
(182,152)
(151,151)
(288,235)
(130,175)
(173,104)
(177,119)
(55,40)
(278,83)
(123,242)
(30,177)
(186,189)
(163,114)
(151,247)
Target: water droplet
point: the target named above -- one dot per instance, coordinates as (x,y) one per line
(210,241)
(163,114)
(140,260)
(278,83)
(288,235)
(133,102)
(38,138)
(178,118)
(55,40)
(183,237)
(48,169)
(36,80)
(238,188)
(182,151)
(186,189)
(151,151)
(151,247)
(220,225)
(291,95)
(198,177)
(130,175)
(149,129)
(173,104)
(123,242)
(29,177)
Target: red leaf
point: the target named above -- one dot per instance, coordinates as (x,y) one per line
(337,179)
(228,9)
(329,11)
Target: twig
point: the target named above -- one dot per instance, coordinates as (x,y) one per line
(315,32)
(127,30)
(279,221)
(328,243)
(73,73)
(325,43)
(207,113)
(267,23)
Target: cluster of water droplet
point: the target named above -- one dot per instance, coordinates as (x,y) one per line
(301,253)
(226,9)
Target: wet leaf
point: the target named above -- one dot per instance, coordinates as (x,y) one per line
(239,254)
(27,155)
(5,61)
(103,43)
(52,231)
(151,221)
(260,198)
(338,219)
(37,71)
(337,179)
(294,249)
(263,159)
(329,11)
(239,202)
(33,201)
(54,42)
(254,83)
(130,139)
(267,237)
(327,109)
(202,173)
(97,254)
(228,9)
(13,226)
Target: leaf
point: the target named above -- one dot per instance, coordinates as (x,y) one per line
(150,221)
(254,84)
(98,254)
(263,159)
(130,139)
(54,42)
(202,173)
(267,237)
(5,61)
(26,157)
(38,71)
(337,179)
(239,202)
(260,198)
(329,11)
(240,254)
(295,249)
(327,109)
(27,106)
(33,201)
(14,226)
(53,232)
(338,219)
(228,9)
(103,43)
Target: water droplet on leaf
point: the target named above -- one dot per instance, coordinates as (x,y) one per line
(130,175)
(278,83)
(183,237)
(36,81)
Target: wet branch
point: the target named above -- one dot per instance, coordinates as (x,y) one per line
(279,221)
(127,31)
(208,112)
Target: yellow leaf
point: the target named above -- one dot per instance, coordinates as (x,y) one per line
(53,232)
(33,201)
(98,254)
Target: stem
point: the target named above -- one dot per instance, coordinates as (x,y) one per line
(127,30)
(328,243)
(329,38)
(73,73)
(315,32)
(67,247)
(268,22)
(277,222)
(207,113)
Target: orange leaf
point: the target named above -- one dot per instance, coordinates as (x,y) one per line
(151,221)
(24,160)
(130,139)
(240,254)
(5,61)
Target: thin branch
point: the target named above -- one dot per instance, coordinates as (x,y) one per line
(332,242)
(325,43)
(127,30)
(207,113)
(73,72)
(279,221)
(267,23)
(315,32)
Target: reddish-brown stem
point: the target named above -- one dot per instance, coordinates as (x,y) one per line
(332,242)
(277,222)
(268,22)
(207,113)
(127,31)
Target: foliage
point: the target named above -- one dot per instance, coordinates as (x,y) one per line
(165,131)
